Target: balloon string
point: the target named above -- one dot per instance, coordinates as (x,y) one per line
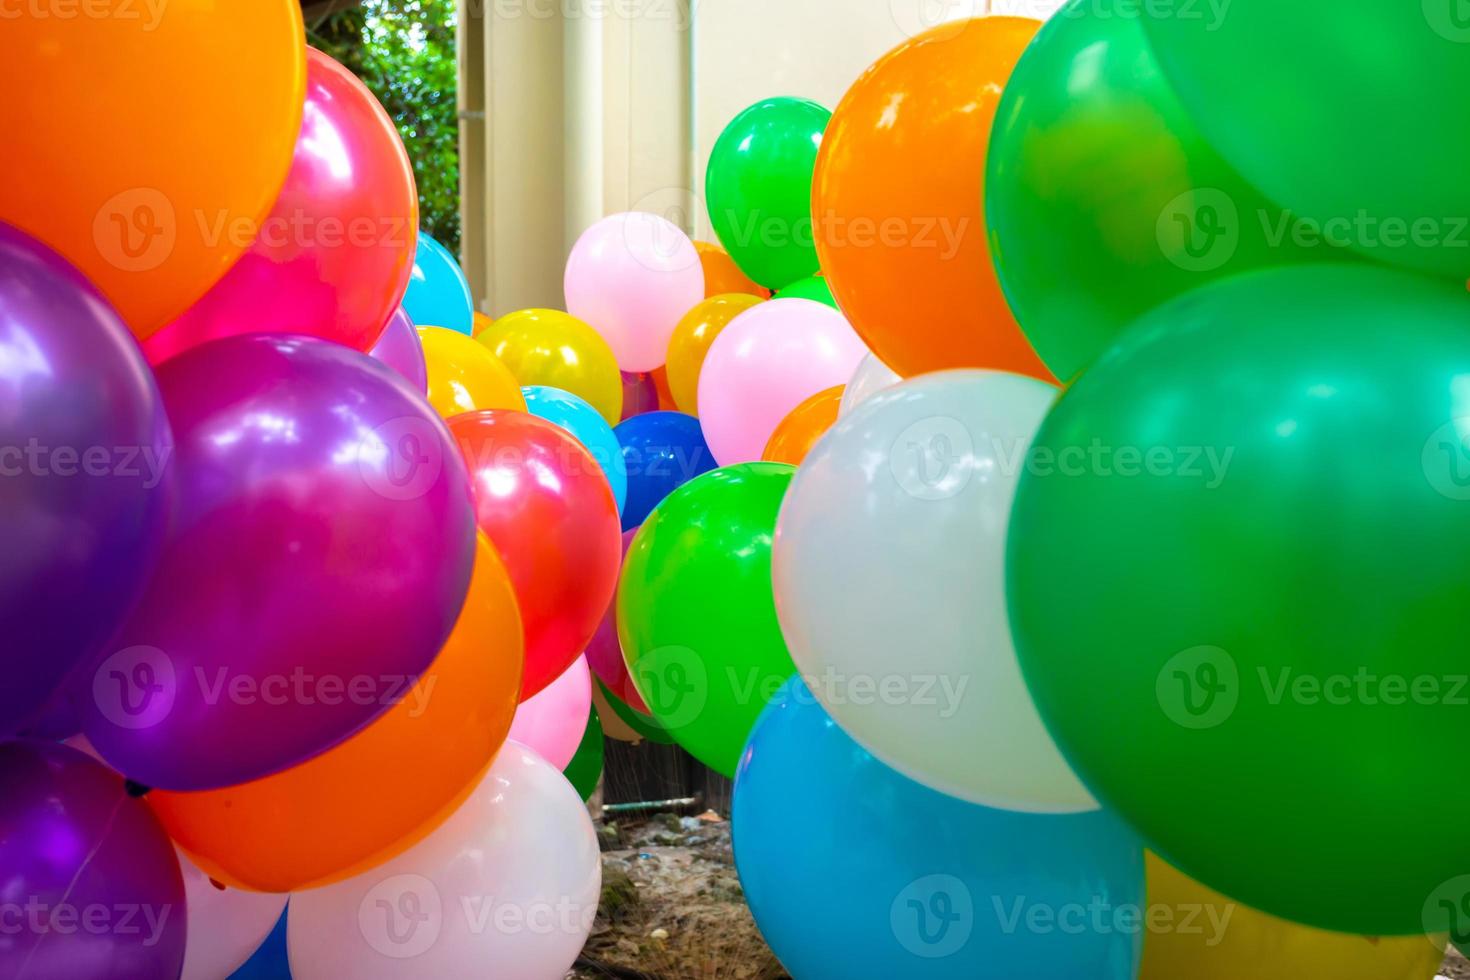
(71,885)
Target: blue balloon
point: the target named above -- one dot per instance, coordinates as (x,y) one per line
(270,961)
(663,451)
(852,870)
(578,417)
(438,292)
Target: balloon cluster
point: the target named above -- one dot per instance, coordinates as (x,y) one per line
(300,572)
(331,582)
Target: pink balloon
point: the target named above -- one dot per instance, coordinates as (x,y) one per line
(769,360)
(552,722)
(401,349)
(333,258)
(632,276)
(605,654)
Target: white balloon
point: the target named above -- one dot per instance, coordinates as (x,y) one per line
(507,887)
(889,573)
(226,925)
(871,377)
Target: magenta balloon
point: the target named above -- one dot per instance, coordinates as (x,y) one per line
(320,556)
(401,349)
(85,485)
(640,394)
(332,259)
(605,654)
(92,887)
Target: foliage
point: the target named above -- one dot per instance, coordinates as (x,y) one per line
(403,50)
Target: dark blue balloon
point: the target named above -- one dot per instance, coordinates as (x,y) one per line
(662,451)
(269,961)
(854,871)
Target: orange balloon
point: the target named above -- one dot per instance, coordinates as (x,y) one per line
(146,142)
(383,790)
(660,377)
(896,201)
(691,342)
(722,275)
(464,376)
(799,431)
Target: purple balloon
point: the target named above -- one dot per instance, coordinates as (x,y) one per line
(320,556)
(85,485)
(401,349)
(89,880)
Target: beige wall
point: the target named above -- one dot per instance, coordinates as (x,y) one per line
(591,107)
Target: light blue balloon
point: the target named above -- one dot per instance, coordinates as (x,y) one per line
(438,292)
(586,423)
(854,871)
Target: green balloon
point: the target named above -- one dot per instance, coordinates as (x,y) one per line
(1103,199)
(696,612)
(1242,537)
(585,769)
(642,725)
(813,288)
(1351,114)
(759,189)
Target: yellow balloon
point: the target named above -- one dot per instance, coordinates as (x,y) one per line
(464,376)
(549,347)
(691,341)
(1199,934)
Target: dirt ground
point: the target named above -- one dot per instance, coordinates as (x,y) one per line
(672,908)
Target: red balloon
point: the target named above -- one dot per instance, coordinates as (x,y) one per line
(545,504)
(334,257)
